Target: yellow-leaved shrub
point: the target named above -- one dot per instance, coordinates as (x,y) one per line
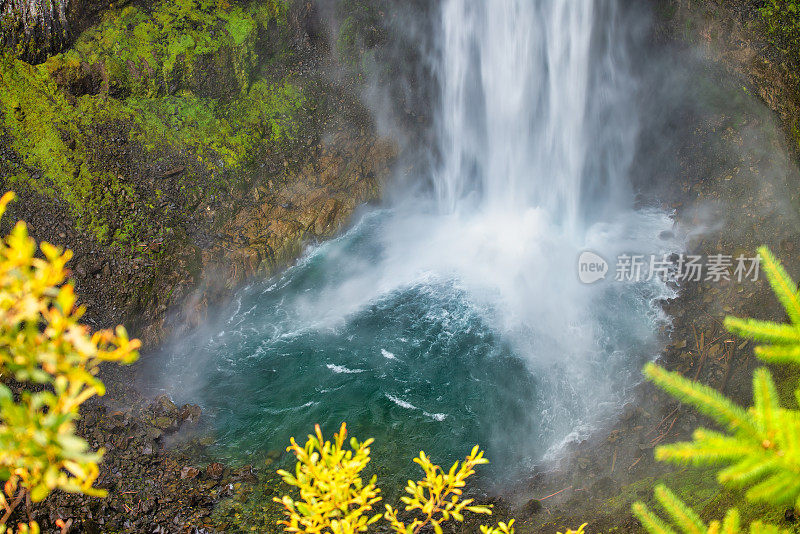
(48,367)
(335,499)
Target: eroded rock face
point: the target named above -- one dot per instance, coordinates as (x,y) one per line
(33,28)
(270,230)
(268,234)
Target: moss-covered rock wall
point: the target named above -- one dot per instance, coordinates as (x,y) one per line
(154,131)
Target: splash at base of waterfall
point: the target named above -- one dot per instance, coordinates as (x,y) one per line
(459,318)
(434,332)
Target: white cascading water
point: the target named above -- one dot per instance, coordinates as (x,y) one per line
(522,82)
(537,131)
(514,78)
(460,318)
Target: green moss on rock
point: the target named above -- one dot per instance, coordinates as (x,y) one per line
(173,46)
(179,82)
(214,131)
(47,132)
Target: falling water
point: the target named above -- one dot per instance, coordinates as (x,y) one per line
(536,108)
(459,318)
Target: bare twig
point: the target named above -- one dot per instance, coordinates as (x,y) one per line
(554,494)
(639,459)
(10,509)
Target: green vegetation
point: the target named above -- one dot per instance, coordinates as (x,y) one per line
(780,23)
(359,33)
(49,133)
(760,447)
(151,52)
(44,348)
(215,131)
(782,20)
(180,81)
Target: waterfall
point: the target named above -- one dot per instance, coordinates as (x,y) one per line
(535,108)
(460,318)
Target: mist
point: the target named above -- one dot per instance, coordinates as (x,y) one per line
(453,313)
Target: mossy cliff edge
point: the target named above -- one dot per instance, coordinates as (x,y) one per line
(181,147)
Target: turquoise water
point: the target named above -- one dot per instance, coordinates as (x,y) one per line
(417,362)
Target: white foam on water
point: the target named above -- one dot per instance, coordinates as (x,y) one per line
(401,402)
(340,369)
(535,135)
(408,406)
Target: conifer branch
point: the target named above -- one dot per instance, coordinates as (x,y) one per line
(763,330)
(650,521)
(689,522)
(748,471)
(683,516)
(706,399)
(731,523)
(782,284)
(708,447)
(763,448)
(779,353)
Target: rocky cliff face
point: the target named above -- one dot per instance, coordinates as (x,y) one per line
(181,147)
(736,36)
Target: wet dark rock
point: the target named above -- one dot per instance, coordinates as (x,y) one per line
(532,507)
(244,474)
(215,470)
(274,455)
(189,472)
(190,413)
(153,432)
(164,423)
(165,406)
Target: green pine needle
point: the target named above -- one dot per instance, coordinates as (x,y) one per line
(765,396)
(780,489)
(688,522)
(683,516)
(650,521)
(766,331)
(731,523)
(748,471)
(782,284)
(706,399)
(779,353)
(759,528)
(708,447)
